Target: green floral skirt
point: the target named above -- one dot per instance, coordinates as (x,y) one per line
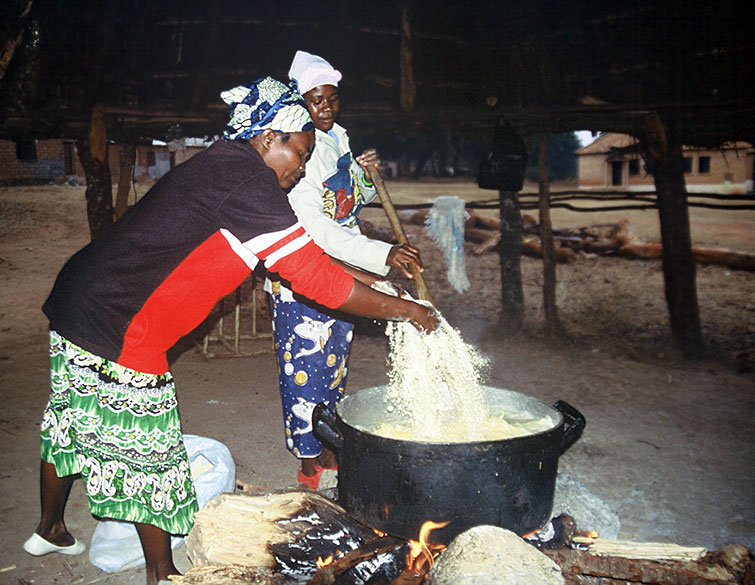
(120,430)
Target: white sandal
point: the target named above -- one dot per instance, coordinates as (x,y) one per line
(38,546)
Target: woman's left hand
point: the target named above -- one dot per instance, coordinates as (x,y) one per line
(369,158)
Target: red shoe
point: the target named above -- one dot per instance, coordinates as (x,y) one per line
(311,481)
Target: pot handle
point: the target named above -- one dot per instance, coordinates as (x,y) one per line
(574,424)
(324,427)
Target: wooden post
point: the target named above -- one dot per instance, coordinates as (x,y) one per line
(398,230)
(510,250)
(128,158)
(92,150)
(679,272)
(552,322)
(408,89)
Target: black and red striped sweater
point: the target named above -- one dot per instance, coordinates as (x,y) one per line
(130,295)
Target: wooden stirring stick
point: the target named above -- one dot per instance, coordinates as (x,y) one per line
(398,229)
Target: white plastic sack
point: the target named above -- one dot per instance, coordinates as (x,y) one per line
(115,544)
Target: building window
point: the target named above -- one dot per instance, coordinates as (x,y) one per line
(634,167)
(26,150)
(687,165)
(703,165)
(150,158)
(617,167)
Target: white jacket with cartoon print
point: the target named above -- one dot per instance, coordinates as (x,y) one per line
(327,201)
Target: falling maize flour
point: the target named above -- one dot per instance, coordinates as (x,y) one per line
(434,391)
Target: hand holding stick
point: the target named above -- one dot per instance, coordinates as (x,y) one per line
(398,229)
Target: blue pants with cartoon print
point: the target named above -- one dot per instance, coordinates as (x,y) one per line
(313,354)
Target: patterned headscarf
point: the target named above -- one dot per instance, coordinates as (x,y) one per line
(265,103)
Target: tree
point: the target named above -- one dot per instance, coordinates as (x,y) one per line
(562,159)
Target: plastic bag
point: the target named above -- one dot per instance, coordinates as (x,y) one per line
(115,544)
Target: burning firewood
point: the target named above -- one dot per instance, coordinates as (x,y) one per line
(380,561)
(284,532)
(297,537)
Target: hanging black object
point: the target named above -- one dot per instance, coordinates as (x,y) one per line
(505,166)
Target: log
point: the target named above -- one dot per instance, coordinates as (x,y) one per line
(641,550)
(384,558)
(723,257)
(734,565)
(283,532)
(534,248)
(640,251)
(718,256)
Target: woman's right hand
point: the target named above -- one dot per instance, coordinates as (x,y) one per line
(366,302)
(426,319)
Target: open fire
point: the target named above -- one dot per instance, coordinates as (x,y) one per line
(390,559)
(423,552)
(303,538)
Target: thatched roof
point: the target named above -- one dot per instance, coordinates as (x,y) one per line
(546,65)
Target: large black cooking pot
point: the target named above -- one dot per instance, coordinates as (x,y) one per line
(397,485)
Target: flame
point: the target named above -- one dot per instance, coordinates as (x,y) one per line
(380,533)
(530,534)
(587,533)
(421,551)
(322,563)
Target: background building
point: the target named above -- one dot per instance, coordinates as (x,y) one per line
(611,162)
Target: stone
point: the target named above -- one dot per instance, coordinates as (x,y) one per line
(489,555)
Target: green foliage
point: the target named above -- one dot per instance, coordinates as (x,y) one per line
(562,159)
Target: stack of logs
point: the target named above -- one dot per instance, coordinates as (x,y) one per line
(610,239)
(277,538)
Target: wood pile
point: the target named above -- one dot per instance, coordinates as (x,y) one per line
(610,239)
(277,538)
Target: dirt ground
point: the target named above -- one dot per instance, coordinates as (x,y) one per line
(668,444)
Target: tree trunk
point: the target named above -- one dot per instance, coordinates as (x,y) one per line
(510,250)
(667,163)
(92,150)
(552,322)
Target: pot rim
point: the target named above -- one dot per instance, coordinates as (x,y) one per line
(482,444)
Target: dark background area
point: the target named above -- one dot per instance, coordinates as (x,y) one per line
(545,65)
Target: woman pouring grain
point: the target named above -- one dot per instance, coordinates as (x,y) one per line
(123,301)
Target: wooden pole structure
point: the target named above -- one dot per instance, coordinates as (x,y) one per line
(128,159)
(398,229)
(510,251)
(408,87)
(93,153)
(664,150)
(552,322)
